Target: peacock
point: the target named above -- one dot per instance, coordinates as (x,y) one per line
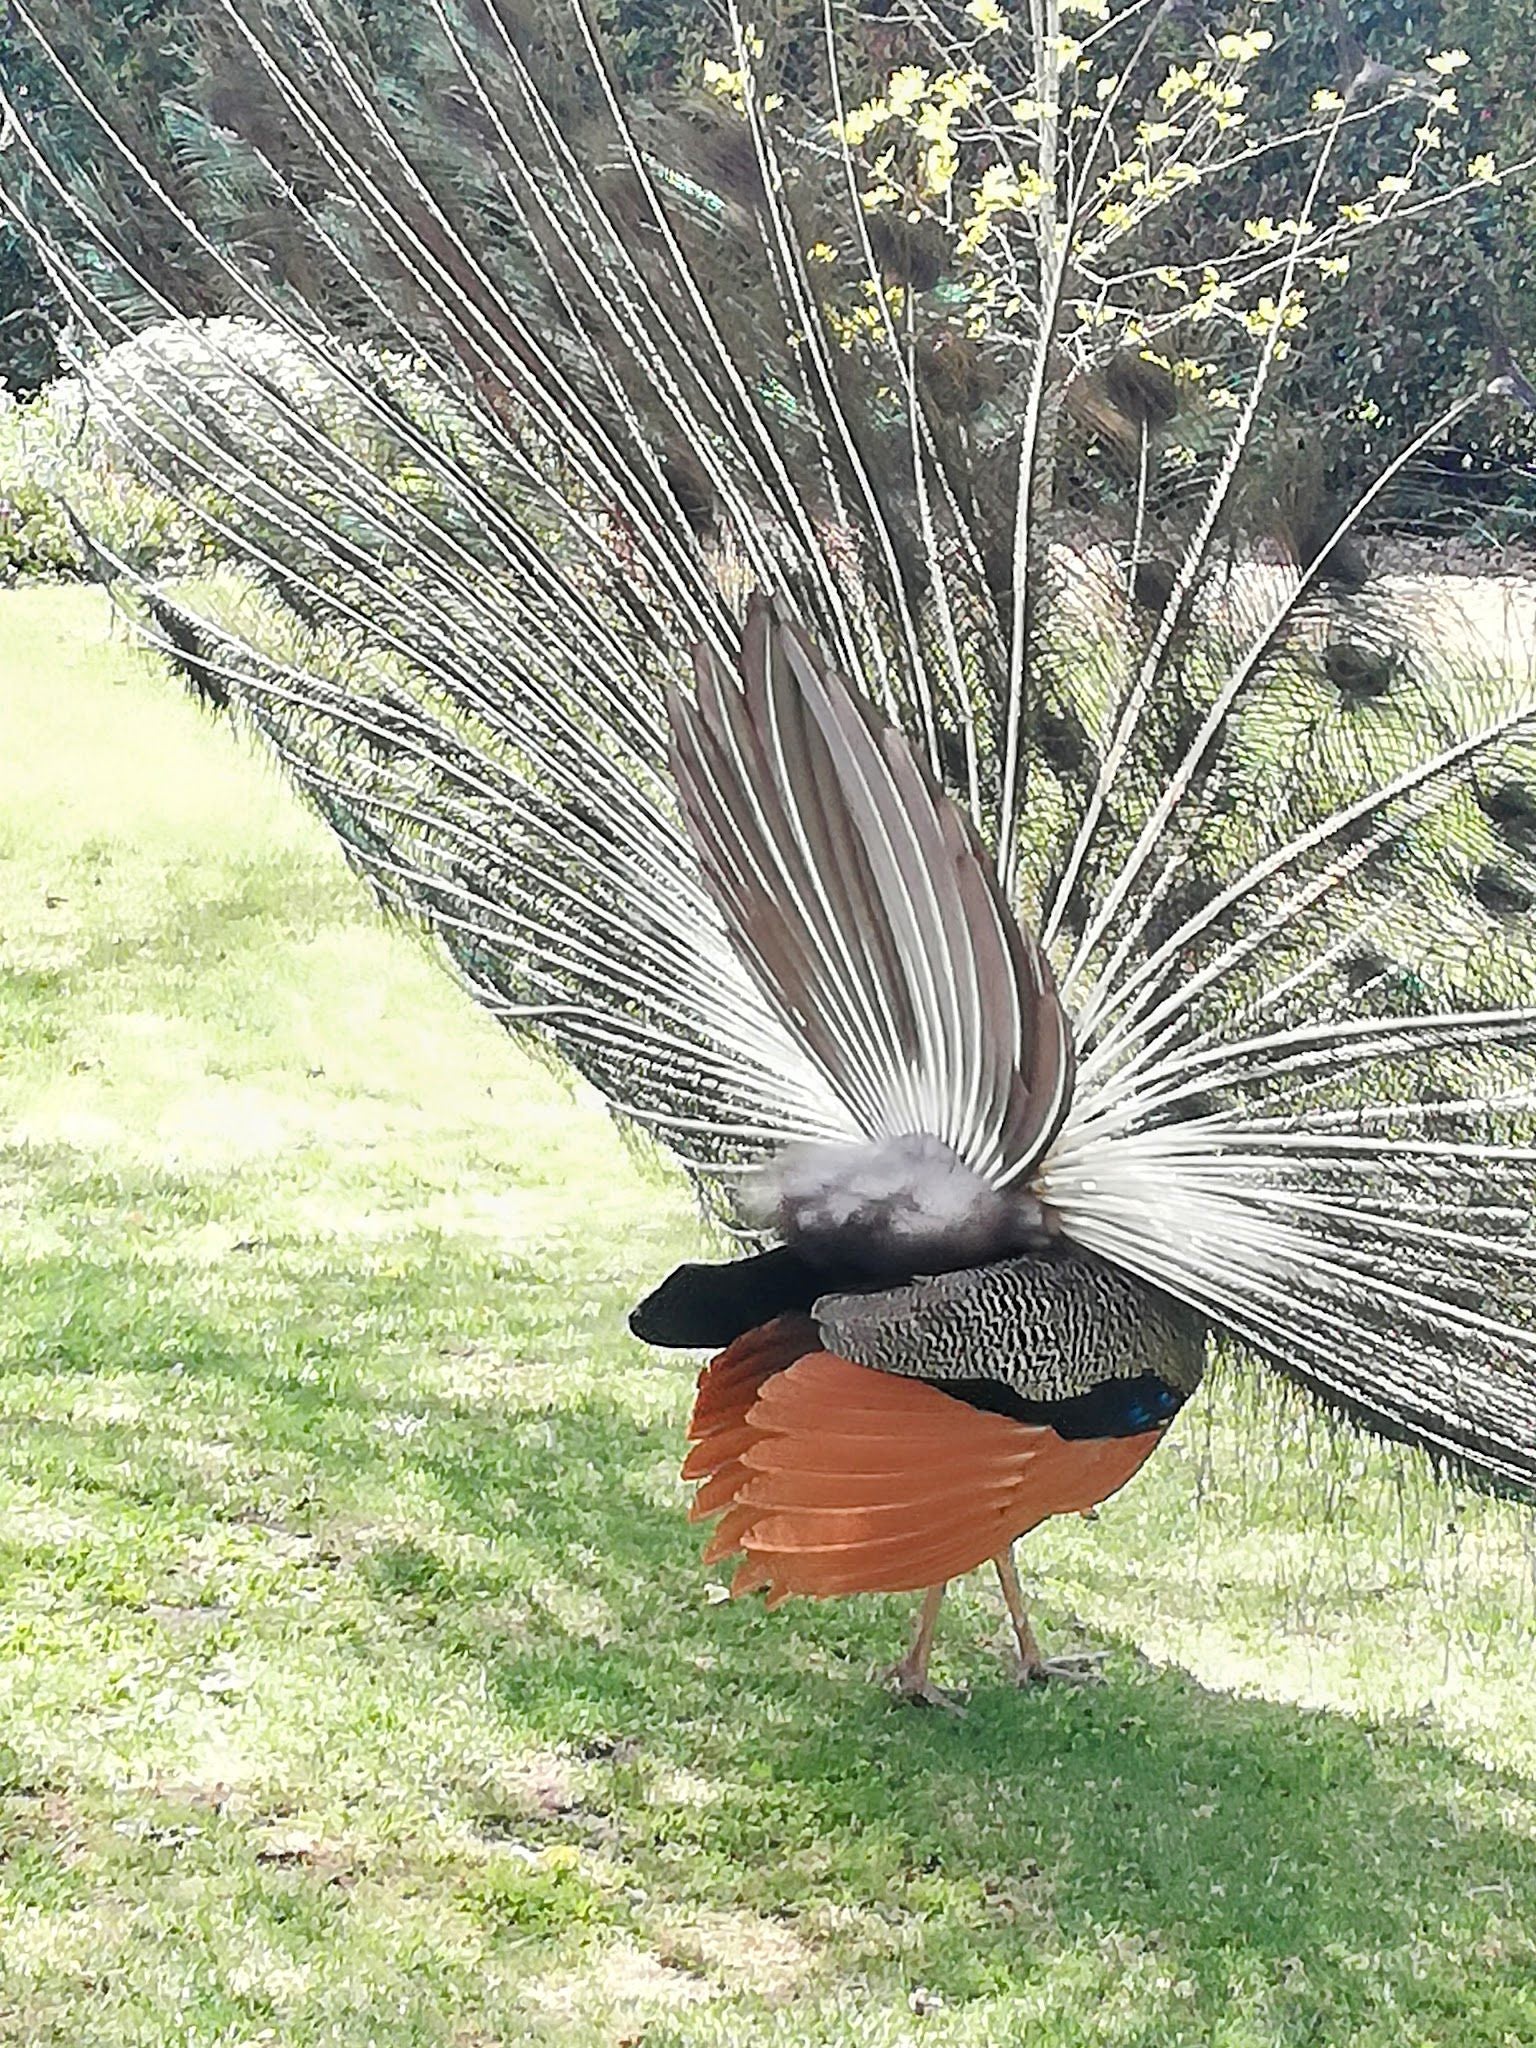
(778,557)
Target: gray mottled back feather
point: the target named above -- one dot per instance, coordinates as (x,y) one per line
(1049,1326)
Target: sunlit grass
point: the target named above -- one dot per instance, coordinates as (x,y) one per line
(358,1679)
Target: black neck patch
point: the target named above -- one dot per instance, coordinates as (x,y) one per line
(705,1308)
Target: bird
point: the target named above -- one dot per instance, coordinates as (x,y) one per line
(711,543)
(897,1395)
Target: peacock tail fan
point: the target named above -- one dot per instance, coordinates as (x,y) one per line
(502,366)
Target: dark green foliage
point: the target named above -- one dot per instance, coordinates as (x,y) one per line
(1440,297)
(135,50)
(27,355)
(35,541)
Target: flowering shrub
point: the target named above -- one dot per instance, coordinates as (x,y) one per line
(1198,191)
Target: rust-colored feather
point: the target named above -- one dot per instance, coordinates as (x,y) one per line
(718,1432)
(836,1479)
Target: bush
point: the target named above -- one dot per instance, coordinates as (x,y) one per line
(57,467)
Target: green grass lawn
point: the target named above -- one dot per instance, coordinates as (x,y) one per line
(359,1682)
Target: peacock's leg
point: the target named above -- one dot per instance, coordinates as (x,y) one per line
(1033,1668)
(910,1676)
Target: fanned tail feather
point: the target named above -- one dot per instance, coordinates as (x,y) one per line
(525,380)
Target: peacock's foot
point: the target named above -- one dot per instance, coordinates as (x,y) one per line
(908,1682)
(1085,1668)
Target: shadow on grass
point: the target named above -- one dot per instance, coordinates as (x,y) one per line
(1354,1870)
(1357,1872)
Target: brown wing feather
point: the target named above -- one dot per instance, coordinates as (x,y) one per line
(836,1479)
(865,907)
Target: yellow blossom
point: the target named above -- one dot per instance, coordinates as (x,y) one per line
(989,17)
(1182,80)
(997,188)
(936,171)
(905,88)
(1269,314)
(1242,49)
(859,125)
(721,80)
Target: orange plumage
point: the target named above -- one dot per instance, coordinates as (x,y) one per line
(832,1479)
